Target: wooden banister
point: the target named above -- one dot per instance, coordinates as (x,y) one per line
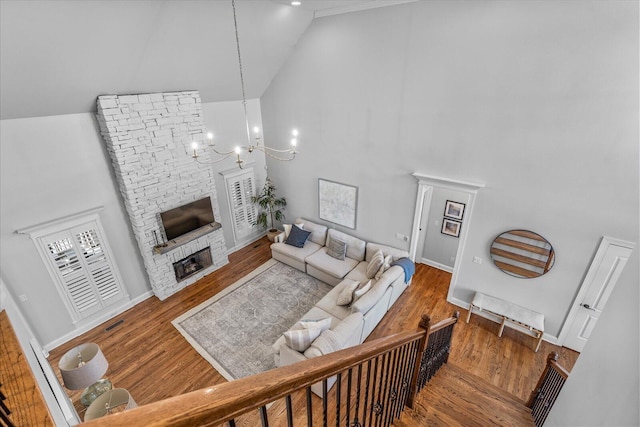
(391,364)
(547,390)
(220,403)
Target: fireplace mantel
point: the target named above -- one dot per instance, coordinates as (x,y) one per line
(186,238)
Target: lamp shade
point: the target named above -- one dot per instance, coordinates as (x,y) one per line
(118,399)
(82,366)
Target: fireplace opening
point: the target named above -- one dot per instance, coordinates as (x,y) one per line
(192,264)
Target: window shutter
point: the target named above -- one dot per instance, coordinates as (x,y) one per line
(240,188)
(80,262)
(71,272)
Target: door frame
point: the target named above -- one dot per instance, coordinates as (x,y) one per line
(426,184)
(604,246)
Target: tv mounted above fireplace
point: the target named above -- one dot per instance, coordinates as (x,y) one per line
(186,218)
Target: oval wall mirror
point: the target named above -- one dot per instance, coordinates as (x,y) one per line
(522,253)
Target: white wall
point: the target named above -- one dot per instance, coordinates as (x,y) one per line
(536,99)
(58,165)
(52,167)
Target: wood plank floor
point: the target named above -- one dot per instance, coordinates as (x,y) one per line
(23,397)
(455,397)
(153,361)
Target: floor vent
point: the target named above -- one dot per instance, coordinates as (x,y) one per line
(108,328)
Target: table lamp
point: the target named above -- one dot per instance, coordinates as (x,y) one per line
(112,401)
(83,367)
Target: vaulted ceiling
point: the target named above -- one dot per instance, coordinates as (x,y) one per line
(58,56)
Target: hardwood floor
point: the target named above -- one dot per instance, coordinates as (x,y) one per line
(148,356)
(23,398)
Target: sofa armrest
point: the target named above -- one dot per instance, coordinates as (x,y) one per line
(289,356)
(279,238)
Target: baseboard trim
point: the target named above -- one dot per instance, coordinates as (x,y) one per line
(437,265)
(92,324)
(551,339)
(246,243)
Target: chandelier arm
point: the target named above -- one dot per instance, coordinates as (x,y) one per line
(211,162)
(282,159)
(222,153)
(264,149)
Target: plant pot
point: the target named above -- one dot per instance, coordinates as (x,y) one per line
(271,234)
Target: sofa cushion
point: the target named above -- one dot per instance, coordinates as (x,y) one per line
(336,248)
(322,324)
(318,232)
(345,334)
(328,302)
(326,343)
(355,247)
(297,237)
(330,265)
(296,253)
(395,253)
(346,296)
(301,339)
(374,265)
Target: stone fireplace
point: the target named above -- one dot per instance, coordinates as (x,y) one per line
(148,137)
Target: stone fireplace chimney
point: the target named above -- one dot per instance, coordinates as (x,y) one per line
(148,137)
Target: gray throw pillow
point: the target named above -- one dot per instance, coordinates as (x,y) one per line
(336,249)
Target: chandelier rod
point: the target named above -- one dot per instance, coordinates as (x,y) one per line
(244,98)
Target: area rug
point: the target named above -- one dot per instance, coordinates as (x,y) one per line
(235,329)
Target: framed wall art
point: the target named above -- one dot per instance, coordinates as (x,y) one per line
(451,227)
(337,203)
(454,210)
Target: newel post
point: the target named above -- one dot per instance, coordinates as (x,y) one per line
(423,326)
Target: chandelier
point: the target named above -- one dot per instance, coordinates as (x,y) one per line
(254,143)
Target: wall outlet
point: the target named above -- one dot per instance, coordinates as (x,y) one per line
(23,297)
(477,260)
(452,259)
(402,237)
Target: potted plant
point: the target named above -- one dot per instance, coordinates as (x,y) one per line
(271,208)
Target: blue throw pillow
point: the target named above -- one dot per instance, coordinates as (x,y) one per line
(297,237)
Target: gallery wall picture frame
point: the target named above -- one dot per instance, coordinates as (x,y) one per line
(454,210)
(337,202)
(451,227)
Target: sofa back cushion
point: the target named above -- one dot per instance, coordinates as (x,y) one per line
(318,232)
(395,253)
(355,246)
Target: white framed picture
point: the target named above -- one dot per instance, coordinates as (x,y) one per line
(337,203)
(451,227)
(454,210)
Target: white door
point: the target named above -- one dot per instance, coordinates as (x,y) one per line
(598,284)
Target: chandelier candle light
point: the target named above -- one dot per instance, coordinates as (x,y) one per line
(286,154)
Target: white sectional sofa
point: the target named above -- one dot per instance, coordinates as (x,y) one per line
(350,324)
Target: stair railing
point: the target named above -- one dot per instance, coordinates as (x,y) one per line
(374,381)
(547,390)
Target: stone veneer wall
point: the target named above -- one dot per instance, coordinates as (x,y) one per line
(148,137)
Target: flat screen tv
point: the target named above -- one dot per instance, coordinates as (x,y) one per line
(186,218)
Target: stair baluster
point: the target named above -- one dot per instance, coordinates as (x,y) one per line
(547,390)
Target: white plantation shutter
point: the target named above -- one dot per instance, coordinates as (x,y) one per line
(240,188)
(79,260)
